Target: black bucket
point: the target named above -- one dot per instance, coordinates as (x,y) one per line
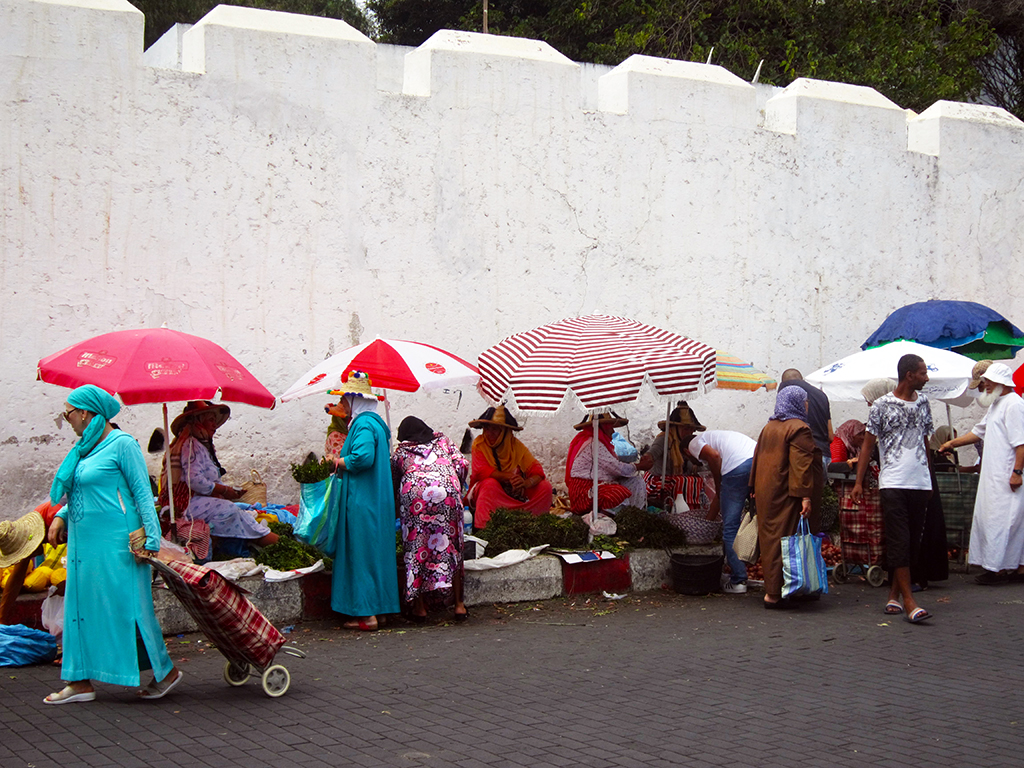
(696,574)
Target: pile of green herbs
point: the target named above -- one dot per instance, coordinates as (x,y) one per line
(289,553)
(636,528)
(515,529)
(645,530)
(312,470)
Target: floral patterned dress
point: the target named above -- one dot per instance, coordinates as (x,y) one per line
(429,479)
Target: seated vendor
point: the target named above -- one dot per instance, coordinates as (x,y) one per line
(847,442)
(618,484)
(196,474)
(504,473)
(681,472)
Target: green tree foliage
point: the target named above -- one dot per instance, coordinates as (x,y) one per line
(161,15)
(913,51)
(1003,69)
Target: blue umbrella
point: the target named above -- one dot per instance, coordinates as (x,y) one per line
(966,327)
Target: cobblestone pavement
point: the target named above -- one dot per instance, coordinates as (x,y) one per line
(655,679)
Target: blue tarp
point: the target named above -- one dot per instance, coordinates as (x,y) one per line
(939,324)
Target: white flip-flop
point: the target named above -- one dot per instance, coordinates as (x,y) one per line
(152,691)
(67,695)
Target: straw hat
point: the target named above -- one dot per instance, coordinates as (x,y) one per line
(682,415)
(499,417)
(979,368)
(357,384)
(194,408)
(20,538)
(603,418)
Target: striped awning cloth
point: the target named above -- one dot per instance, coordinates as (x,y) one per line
(602,360)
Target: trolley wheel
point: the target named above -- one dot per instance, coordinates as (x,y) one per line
(875,576)
(235,675)
(276,681)
(839,573)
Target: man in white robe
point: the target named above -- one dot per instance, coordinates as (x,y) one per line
(997,533)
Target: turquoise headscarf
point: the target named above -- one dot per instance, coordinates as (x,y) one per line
(88,398)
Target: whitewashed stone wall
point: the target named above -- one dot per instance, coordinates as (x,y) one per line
(287,188)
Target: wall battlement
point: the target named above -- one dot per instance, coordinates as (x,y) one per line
(281,50)
(285,186)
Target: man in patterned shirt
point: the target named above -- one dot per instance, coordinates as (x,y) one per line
(900,423)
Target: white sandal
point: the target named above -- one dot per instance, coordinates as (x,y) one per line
(68,695)
(157,690)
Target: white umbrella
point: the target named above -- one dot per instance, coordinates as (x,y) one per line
(948,372)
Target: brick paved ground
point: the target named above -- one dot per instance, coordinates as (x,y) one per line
(652,680)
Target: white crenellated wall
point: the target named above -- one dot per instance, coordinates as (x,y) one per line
(286,187)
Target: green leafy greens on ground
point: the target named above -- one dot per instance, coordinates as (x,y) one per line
(515,529)
(642,529)
(290,553)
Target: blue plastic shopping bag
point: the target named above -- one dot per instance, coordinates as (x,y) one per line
(21,646)
(319,505)
(803,567)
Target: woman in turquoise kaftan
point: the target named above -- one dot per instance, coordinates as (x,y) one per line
(110,627)
(365,579)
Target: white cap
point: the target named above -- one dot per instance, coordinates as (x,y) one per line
(999,373)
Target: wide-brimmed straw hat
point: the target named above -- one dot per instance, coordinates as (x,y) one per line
(999,373)
(20,538)
(357,384)
(683,416)
(499,417)
(976,373)
(194,408)
(604,417)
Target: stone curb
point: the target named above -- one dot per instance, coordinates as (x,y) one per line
(539,578)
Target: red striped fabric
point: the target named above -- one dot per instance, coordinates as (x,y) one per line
(601,359)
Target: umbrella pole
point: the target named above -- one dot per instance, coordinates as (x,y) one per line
(167,466)
(593,455)
(956,462)
(664,453)
(387,410)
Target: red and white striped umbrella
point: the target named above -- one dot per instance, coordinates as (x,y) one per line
(600,359)
(407,366)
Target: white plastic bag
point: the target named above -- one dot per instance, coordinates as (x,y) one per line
(53,613)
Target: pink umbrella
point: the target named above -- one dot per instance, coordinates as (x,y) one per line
(155,365)
(407,366)
(598,359)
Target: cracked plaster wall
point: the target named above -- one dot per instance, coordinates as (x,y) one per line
(287,188)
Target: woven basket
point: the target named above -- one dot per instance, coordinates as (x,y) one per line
(255,490)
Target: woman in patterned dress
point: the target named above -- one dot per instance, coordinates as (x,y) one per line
(429,473)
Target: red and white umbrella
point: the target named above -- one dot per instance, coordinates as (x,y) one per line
(600,360)
(407,366)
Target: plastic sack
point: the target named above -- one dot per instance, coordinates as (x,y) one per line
(21,646)
(318,514)
(624,450)
(803,568)
(53,613)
